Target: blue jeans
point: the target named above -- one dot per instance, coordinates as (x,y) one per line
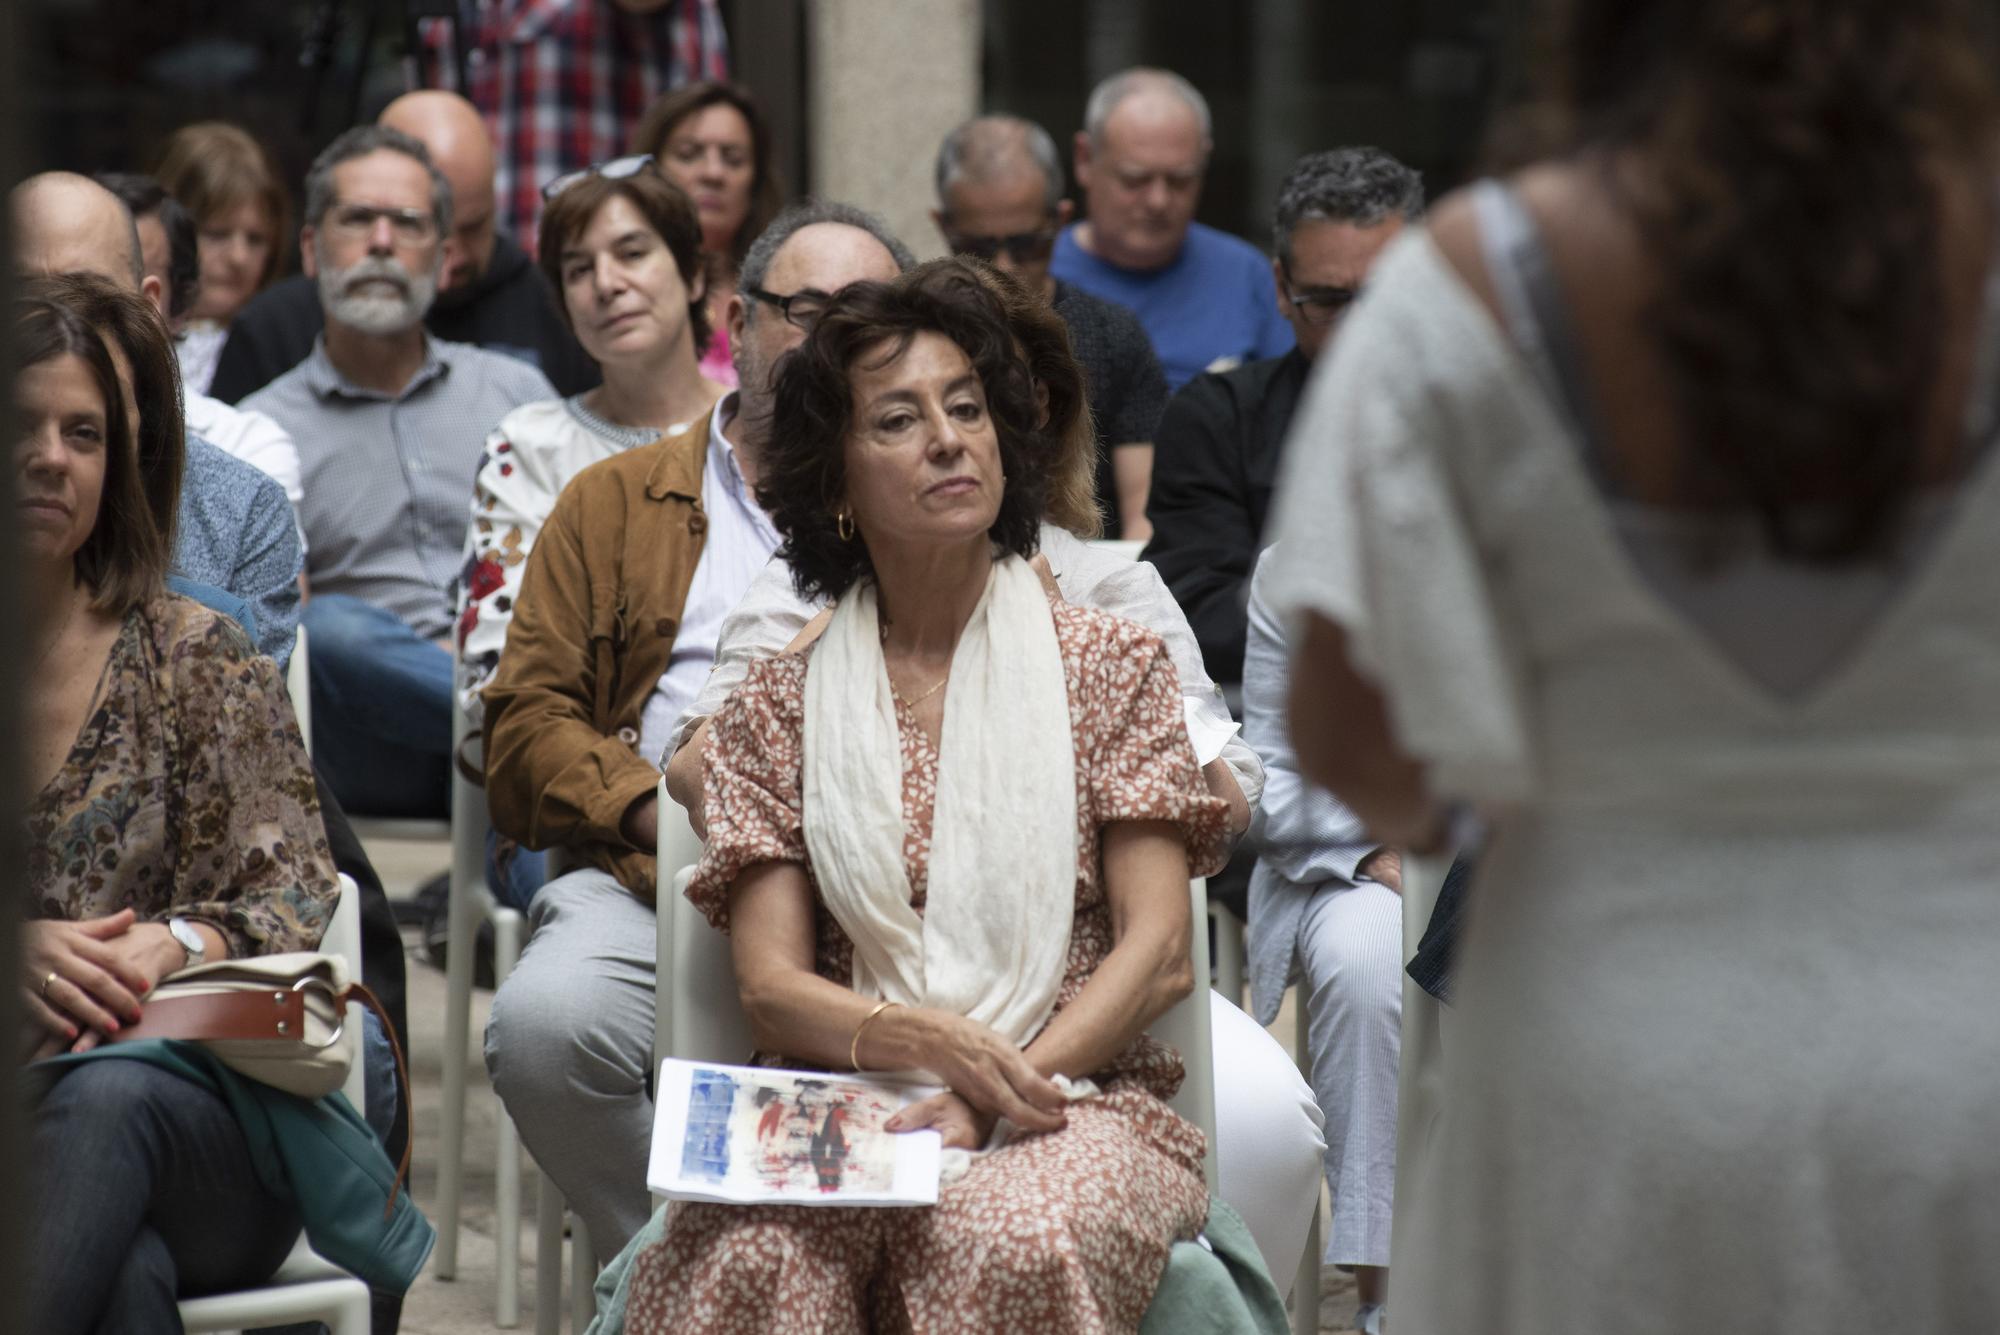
(381,708)
(142,1193)
(514,872)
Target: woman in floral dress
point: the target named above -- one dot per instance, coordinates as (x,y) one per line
(954,835)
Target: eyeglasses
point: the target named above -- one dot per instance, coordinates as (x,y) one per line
(1321,306)
(410,227)
(801,308)
(615,170)
(1022,247)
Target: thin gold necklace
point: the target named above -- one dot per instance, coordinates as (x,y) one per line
(920,699)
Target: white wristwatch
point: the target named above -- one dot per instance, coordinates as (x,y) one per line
(190,940)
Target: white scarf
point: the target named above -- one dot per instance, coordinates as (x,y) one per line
(993,941)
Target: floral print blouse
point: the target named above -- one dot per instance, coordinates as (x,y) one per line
(1133,763)
(187,793)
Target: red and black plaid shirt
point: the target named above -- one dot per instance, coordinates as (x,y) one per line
(562,82)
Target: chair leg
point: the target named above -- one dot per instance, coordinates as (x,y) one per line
(1305,1288)
(507,1143)
(582,1278)
(462,930)
(1228,954)
(548,1257)
(352,1316)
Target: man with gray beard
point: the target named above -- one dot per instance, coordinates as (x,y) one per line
(389,423)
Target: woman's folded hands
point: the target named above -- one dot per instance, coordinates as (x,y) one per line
(986,1076)
(82,979)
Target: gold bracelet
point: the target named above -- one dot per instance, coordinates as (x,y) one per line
(854,1048)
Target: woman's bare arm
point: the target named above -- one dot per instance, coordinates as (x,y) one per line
(1147,971)
(794,1011)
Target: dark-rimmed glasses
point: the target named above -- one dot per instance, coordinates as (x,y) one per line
(1320,306)
(614,170)
(801,308)
(1021,247)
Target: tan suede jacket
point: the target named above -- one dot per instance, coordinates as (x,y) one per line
(599,607)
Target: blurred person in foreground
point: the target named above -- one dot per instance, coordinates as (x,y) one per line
(489,293)
(1000,199)
(711,140)
(1201,294)
(1649,505)
(949,835)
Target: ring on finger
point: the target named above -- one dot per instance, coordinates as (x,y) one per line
(47,982)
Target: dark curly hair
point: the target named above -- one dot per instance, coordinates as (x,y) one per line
(805,469)
(1797,160)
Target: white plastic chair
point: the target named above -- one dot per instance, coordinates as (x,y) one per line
(471,902)
(307,1287)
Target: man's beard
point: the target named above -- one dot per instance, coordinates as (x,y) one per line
(376,311)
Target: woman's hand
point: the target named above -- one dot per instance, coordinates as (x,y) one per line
(93,978)
(963,1126)
(988,1072)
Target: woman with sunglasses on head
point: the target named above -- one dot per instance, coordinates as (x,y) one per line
(621,247)
(711,140)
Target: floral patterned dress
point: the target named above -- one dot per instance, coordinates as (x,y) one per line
(187,792)
(1061,1232)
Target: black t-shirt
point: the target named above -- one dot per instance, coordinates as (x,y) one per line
(1121,377)
(509,311)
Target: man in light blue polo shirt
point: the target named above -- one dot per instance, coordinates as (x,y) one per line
(390,424)
(1204,296)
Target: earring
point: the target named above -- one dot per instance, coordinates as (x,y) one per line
(843,524)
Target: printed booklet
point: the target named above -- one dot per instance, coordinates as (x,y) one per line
(760,1135)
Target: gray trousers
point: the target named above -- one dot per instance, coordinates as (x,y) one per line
(570,1046)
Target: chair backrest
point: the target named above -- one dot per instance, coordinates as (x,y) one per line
(343,938)
(298,684)
(698,1015)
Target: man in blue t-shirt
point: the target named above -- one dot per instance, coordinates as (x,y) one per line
(1204,296)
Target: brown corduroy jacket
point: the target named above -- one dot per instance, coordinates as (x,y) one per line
(599,607)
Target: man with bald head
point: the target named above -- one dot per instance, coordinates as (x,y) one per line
(1000,199)
(613,634)
(489,293)
(1204,296)
(234,529)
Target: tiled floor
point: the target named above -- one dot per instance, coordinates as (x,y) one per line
(466,1304)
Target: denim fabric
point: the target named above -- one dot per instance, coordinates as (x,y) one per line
(144,1191)
(514,871)
(381,700)
(237,532)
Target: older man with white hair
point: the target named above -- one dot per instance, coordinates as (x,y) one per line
(390,423)
(1203,295)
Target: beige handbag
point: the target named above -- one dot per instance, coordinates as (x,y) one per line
(279,1019)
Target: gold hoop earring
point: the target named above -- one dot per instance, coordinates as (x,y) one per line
(843,524)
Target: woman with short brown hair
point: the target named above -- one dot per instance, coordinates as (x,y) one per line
(243,216)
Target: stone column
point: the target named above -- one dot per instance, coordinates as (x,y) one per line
(889,79)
